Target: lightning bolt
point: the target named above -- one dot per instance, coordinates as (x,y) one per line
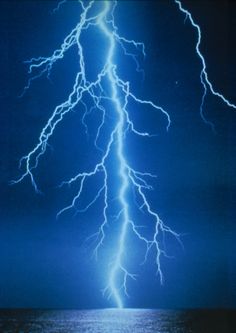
(109,91)
(119,94)
(206,83)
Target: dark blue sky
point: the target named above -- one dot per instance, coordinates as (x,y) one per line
(45,262)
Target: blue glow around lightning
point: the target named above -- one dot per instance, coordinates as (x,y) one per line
(120,96)
(206,83)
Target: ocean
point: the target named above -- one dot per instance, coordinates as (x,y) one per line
(118,321)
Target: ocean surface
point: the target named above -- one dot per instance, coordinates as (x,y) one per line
(114,320)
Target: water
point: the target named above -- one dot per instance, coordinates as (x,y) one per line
(117,321)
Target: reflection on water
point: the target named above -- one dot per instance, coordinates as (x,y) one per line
(118,321)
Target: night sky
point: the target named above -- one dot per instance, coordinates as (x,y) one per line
(45,262)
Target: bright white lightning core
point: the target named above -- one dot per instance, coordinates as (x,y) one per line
(100,15)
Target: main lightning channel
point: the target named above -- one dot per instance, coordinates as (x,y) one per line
(100,15)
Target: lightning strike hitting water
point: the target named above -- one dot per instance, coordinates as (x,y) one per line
(100,15)
(120,95)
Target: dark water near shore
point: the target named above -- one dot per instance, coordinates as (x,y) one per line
(120,321)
